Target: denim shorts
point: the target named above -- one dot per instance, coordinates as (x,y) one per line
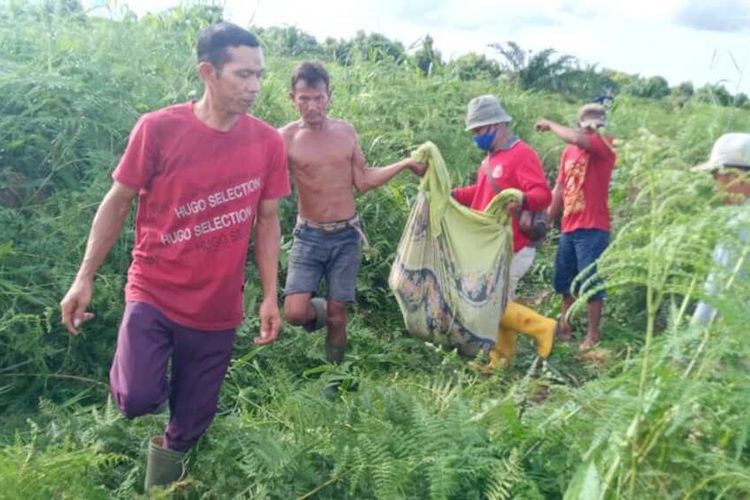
(576,251)
(333,256)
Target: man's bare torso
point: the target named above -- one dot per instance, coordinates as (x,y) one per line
(321,165)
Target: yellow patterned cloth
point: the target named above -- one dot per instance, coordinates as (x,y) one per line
(450,274)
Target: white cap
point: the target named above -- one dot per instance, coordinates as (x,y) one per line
(729,150)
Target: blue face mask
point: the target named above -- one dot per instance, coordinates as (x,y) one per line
(484,141)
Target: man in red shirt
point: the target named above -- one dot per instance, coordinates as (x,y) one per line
(204,173)
(510,163)
(582,191)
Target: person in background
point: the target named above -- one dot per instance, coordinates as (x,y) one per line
(606,99)
(729,164)
(582,191)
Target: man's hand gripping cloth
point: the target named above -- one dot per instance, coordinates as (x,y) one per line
(450,275)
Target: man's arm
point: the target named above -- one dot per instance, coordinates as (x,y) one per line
(557,201)
(105,230)
(567,134)
(366,178)
(267,245)
(531,180)
(464,195)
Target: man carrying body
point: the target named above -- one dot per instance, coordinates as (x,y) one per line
(326,164)
(582,191)
(510,163)
(203,173)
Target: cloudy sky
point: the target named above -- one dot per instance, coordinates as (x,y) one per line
(697,40)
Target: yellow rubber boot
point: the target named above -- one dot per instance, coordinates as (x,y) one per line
(525,320)
(505,348)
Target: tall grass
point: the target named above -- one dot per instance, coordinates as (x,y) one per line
(662,414)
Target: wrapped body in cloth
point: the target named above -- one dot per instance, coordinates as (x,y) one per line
(450,274)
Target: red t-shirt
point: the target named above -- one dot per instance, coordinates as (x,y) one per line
(516,167)
(584,175)
(198,193)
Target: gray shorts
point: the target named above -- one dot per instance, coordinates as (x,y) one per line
(317,254)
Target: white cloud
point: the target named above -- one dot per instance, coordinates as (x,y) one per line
(719,15)
(638,36)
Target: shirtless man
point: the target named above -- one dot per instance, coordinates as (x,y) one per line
(326,163)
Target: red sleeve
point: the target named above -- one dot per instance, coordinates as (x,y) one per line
(138,162)
(531,180)
(465,195)
(277,177)
(601,146)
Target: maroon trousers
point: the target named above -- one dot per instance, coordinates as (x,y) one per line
(146,342)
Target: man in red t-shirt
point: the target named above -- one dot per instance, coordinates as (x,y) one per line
(510,163)
(582,191)
(204,173)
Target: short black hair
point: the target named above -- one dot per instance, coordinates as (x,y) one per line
(214,40)
(312,73)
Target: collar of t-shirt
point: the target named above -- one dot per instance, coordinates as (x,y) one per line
(509,143)
(505,146)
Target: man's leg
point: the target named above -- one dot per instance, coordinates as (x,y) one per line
(139,383)
(505,347)
(336,320)
(519,266)
(525,320)
(138,377)
(594,313)
(335,342)
(341,276)
(306,266)
(564,332)
(298,310)
(199,363)
(565,271)
(590,244)
(516,319)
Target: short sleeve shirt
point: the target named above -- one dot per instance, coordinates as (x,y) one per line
(198,194)
(585,175)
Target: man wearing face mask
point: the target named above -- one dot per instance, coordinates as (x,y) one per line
(509,163)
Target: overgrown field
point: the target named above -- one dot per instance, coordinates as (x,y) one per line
(659,411)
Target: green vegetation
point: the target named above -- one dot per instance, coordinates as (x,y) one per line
(660,411)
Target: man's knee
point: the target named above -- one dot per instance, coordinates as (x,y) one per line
(134,403)
(297,309)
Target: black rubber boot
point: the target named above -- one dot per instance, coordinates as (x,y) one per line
(335,355)
(163,466)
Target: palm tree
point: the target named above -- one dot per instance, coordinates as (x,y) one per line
(541,70)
